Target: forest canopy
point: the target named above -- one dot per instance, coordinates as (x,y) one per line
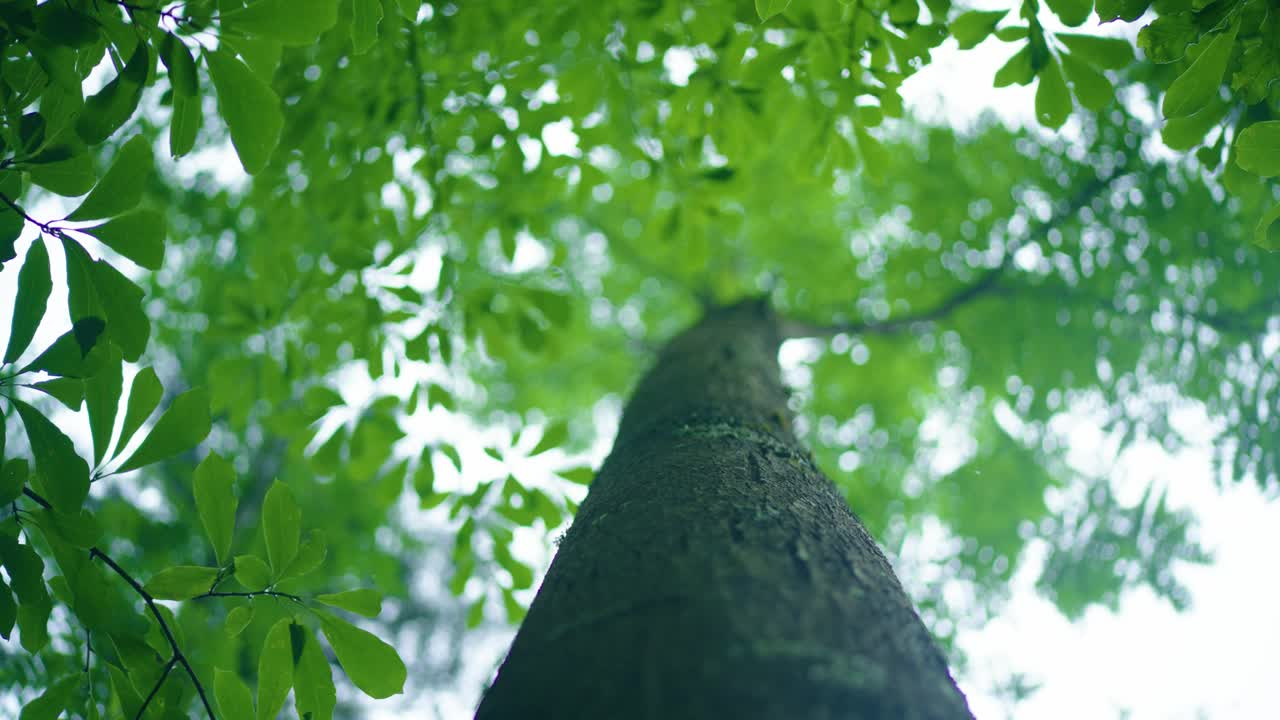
(322,309)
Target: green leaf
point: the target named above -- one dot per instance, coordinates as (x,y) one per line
(8,610)
(121,188)
(424,476)
(137,235)
(234,698)
(112,106)
(1258,148)
(1092,88)
(121,301)
(1053,100)
(1267,234)
(875,159)
(183,76)
(72,354)
(1103,52)
(69,177)
(13,476)
(50,704)
(68,391)
(144,395)
(553,436)
(214,488)
(365,16)
(768,8)
(66,26)
(311,554)
(248,105)
(291,22)
(1166,39)
(185,124)
(252,572)
(1127,10)
(238,618)
(1200,83)
(180,428)
(281,526)
(64,475)
(1018,70)
(181,582)
(372,665)
(33,625)
(580,475)
(475,614)
(1184,133)
(313,689)
(81,530)
(973,27)
(26,571)
(102,395)
(364,601)
(1071,12)
(275,670)
(34,285)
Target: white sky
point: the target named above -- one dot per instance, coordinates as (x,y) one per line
(1219,659)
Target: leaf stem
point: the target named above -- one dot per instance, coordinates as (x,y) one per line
(178,656)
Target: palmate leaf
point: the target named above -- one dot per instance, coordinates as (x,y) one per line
(234,698)
(1195,87)
(98,290)
(252,572)
(13,476)
(371,664)
(50,704)
(313,689)
(120,188)
(181,582)
(214,487)
(290,22)
(34,286)
(138,235)
(281,527)
(180,428)
(249,107)
(237,619)
(183,75)
(1258,148)
(365,16)
(185,125)
(145,392)
(102,395)
(365,601)
(275,670)
(64,475)
(115,103)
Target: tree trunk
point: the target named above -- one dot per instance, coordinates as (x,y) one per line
(714,572)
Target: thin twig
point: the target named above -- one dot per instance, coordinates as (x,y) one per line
(155,690)
(255,593)
(150,602)
(44,227)
(988,282)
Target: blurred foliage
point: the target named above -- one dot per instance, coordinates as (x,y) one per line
(384,349)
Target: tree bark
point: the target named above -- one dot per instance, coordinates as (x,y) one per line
(714,572)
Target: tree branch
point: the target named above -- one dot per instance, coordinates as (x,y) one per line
(178,656)
(792,329)
(155,690)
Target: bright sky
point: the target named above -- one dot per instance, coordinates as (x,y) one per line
(1147,661)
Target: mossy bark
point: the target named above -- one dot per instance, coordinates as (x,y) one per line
(714,572)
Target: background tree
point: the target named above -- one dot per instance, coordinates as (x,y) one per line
(467,225)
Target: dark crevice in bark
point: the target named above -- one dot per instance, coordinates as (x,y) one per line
(714,572)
